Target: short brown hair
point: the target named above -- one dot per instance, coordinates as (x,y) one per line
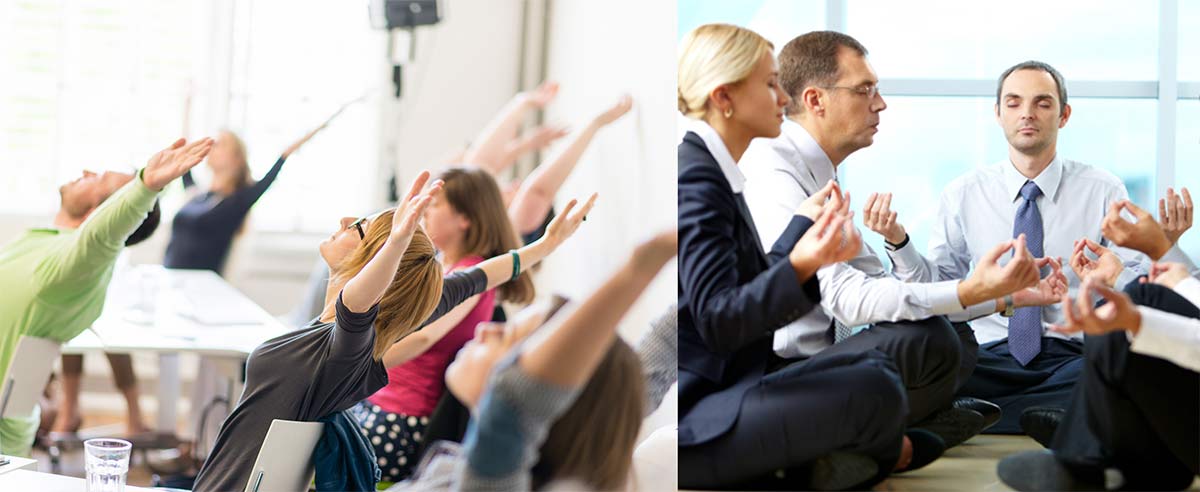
(1036,65)
(473,193)
(811,60)
(414,291)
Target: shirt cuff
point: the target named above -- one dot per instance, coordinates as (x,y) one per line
(943,297)
(1189,288)
(1176,255)
(905,258)
(1166,336)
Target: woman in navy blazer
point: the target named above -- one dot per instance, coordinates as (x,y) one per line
(745,415)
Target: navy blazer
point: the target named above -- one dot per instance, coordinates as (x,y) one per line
(732,297)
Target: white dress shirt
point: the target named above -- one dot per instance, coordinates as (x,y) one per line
(780,174)
(1170,336)
(977,212)
(719,151)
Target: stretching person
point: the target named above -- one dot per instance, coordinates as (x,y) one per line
(386,283)
(530,201)
(203,229)
(563,406)
(57,279)
(745,414)
(466,223)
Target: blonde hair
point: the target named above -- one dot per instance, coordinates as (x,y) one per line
(242,178)
(413,293)
(713,55)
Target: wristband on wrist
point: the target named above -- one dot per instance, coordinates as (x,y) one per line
(897,246)
(516,260)
(1008,306)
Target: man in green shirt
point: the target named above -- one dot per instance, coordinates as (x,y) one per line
(54,280)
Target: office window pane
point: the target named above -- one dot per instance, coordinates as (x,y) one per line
(1187,164)
(777,20)
(925,142)
(1189,40)
(90,84)
(1084,39)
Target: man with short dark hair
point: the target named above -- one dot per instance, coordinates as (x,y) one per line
(834,112)
(1059,205)
(55,280)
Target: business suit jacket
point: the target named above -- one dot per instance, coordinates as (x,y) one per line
(731,296)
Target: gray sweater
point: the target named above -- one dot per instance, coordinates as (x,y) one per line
(514,418)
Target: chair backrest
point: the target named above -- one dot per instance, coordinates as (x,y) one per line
(285,461)
(27,374)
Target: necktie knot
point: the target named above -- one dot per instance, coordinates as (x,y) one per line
(1030,191)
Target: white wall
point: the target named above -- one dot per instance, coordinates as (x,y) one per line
(597,50)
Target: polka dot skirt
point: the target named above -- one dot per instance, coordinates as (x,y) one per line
(396,438)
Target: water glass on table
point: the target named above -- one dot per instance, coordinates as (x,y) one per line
(107,464)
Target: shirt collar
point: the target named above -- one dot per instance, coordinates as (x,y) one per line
(815,160)
(717,148)
(1047,181)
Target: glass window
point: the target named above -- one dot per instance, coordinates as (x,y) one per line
(1084,39)
(777,20)
(90,84)
(289,83)
(1189,41)
(925,142)
(1187,166)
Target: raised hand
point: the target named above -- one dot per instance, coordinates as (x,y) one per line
(623,105)
(1107,266)
(1175,213)
(1166,274)
(878,216)
(1119,313)
(171,162)
(541,96)
(832,239)
(1048,290)
(813,206)
(652,253)
(1146,235)
(565,223)
(410,210)
(536,139)
(990,280)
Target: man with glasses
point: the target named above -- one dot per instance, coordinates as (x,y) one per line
(1059,205)
(834,112)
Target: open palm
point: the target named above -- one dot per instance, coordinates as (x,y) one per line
(171,162)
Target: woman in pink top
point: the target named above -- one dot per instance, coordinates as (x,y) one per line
(467,222)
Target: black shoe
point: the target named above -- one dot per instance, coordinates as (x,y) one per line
(927,447)
(1040,470)
(1041,422)
(841,471)
(989,410)
(953,425)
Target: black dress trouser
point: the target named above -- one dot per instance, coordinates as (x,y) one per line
(1137,413)
(830,402)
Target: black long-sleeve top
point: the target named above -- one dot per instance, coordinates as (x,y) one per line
(202,232)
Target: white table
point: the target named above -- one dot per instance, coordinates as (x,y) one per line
(153,309)
(17,463)
(21,480)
